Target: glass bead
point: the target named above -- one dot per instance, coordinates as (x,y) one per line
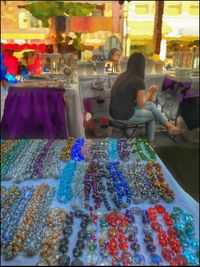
(155,260)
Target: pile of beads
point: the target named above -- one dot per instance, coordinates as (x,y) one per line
(107,149)
(64,193)
(140,185)
(49,252)
(15,244)
(30,159)
(183,222)
(157,178)
(138,143)
(171,247)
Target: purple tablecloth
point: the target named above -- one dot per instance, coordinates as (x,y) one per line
(34,113)
(184,86)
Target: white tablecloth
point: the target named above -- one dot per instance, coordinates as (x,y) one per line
(182,200)
(74,113)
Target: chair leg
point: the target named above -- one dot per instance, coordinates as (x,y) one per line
(132,133)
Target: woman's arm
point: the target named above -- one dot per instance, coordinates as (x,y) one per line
(145,95)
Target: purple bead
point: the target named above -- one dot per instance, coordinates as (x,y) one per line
(150,247)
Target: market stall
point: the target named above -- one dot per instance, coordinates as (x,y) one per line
(111,200)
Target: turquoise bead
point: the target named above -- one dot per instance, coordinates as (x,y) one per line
(187,217)
(194,243)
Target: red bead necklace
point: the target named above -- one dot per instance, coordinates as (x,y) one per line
(117,238)
(171,247)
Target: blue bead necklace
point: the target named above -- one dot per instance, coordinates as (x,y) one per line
(121,187)
(76,150)
(64,193)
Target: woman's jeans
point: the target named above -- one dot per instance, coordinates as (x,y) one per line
(148,115)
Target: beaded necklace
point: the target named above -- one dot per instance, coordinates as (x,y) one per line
(64,193)
(120,185)
(140,186)
(66,152)
(39,161)
(13,223)
(34,238)
(49,252)
(51,165)
(77,185)
(183,222)
(76,150)
(122,148)
(171,247)
(138,145)
(23,229)
(157,178)
(112,150)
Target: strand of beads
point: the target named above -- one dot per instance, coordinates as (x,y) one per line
(77,185)
(51,165)
(6,149)
(90,182)
(17,167)
(49,252)
(112,150)
(101,167)
(12,224)
(9,214)
(10,161)
(122,148)
(34,238)
(29,167)
(159,182)
(118,241)
(9,200)
(66,152)
(155,259)
(64,193)
(91,240)
(64,260)
(76,150)
(39,161)
(183,222)
(17,242)
(86,149)
(138,145)
(24,163)
(132,232)
(120,185)
(103,242)
(171,247)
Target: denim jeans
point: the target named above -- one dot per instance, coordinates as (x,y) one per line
(148,115)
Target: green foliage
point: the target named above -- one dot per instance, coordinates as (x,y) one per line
(44,9)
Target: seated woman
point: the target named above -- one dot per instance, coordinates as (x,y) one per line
(132,103)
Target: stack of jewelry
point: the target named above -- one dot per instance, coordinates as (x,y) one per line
(171,247)
(77,185)
(10,225)
(120,185)
(23,229)
(66,152)
(49,252)
(183,222)
(140,186)
(157,178)
(64,193)
(34,238)
(139,146)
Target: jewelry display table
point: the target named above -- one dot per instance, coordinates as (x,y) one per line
(70,149)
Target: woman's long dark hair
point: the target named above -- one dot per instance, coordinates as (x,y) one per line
(135,68)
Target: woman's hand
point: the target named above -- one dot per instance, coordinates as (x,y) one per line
(153,89)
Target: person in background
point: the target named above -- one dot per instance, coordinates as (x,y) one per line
(3,73)
(114,56)
(130,101)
